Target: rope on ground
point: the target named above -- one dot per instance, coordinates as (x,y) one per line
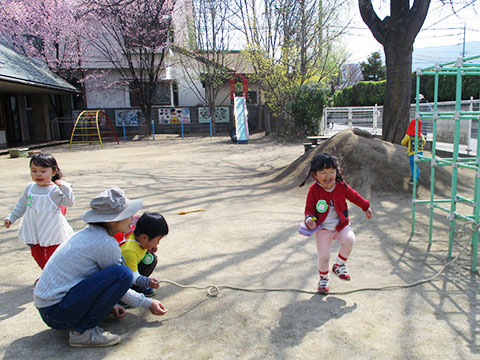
(214,290)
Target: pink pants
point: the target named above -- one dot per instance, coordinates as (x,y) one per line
(346,237)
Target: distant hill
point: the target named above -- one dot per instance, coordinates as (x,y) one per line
(428,56)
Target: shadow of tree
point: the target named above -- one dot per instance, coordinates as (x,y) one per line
(453,295)
(13,301)
(207,179)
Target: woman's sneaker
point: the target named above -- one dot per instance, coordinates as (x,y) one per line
(341,271)
(95,337)
(323,286)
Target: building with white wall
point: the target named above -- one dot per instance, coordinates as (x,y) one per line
(179,90)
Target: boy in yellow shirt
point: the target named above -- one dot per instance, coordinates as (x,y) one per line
(138,250)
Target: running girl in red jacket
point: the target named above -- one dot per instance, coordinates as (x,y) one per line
(326,206)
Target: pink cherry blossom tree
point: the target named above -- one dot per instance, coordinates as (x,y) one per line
(133,36)
(49,31)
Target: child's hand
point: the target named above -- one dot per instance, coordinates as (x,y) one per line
(157,308)
(311,224)
(153,283)
(7,223)
(118,311)
(368,213)
(59,182)
(153,250)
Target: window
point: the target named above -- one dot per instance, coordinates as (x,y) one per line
(175,94)
(161,95)
(252,97)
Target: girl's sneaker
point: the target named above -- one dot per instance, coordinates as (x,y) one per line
(323,286)
(341,271)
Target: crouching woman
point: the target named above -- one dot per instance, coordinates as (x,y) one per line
(84,279)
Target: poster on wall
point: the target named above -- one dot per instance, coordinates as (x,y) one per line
(127,117)
(222,114)
(173,115)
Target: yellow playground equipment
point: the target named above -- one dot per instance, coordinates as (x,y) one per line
(90,126)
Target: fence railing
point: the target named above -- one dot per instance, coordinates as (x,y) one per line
(370,118)
(62,127)
(337,118)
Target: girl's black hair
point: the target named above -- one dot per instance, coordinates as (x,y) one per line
(47,161)
(151,224)
(323,161)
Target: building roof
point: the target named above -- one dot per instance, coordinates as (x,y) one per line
(21,74)
(233,60)
(239,62)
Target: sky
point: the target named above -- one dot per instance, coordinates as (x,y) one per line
(441,27)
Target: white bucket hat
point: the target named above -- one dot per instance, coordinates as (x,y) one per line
(111,205)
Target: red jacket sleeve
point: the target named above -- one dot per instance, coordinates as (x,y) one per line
(356,198)
(310,206)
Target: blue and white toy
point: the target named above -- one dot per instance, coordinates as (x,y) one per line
(306,231)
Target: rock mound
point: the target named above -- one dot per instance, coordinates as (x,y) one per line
(369,165)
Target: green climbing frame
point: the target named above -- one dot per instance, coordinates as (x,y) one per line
(459,68)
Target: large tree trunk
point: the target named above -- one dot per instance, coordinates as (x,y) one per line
(396,33)
(396,108)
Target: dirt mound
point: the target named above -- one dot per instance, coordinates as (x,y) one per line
(369,165)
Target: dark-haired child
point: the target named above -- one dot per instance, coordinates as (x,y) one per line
(326,205)
(138,250)
(409,142)
(43,226)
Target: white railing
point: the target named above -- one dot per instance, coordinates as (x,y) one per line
(61,127)
(370,118)
(337,118)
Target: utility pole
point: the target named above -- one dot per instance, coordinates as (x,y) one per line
(464,32)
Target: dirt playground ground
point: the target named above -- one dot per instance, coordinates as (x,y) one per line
(247,237)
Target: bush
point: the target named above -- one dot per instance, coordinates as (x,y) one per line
(447,87)
(307,107)
(364,93)
(369,93)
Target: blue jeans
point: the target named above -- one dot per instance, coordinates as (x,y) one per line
(412,164)
(88,302)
